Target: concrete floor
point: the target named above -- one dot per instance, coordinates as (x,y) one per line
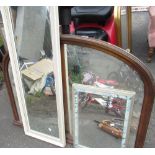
(140,47)
(13,137)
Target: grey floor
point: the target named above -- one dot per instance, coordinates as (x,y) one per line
(140,47)
(13,137)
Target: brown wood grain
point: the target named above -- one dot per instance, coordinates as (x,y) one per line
(5,65)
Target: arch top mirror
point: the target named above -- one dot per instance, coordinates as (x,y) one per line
(107,94)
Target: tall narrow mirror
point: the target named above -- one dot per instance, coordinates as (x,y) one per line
(124,27)
(37,79)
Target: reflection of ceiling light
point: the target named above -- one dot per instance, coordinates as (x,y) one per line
(50,129)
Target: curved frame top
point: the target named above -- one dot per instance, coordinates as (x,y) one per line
(133,62)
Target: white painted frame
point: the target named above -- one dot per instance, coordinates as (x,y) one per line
(8,27)
(128,95)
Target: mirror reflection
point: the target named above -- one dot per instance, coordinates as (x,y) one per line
(97,69)
(107,113)
(124,27)
(34,51)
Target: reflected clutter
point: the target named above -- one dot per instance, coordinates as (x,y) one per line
(89,67)
(34,50)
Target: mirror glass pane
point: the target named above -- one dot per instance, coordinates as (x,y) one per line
(35,57)
(90,67)
(124,27)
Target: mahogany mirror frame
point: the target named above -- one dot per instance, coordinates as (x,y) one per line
(129,59)
(4,67)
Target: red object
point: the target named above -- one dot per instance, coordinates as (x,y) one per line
(109,28)
(108,82)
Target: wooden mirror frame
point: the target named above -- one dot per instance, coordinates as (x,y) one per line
(4,66)
(129,59)
(129,29)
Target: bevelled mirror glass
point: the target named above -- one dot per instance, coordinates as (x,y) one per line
(37,79)
(106,97)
